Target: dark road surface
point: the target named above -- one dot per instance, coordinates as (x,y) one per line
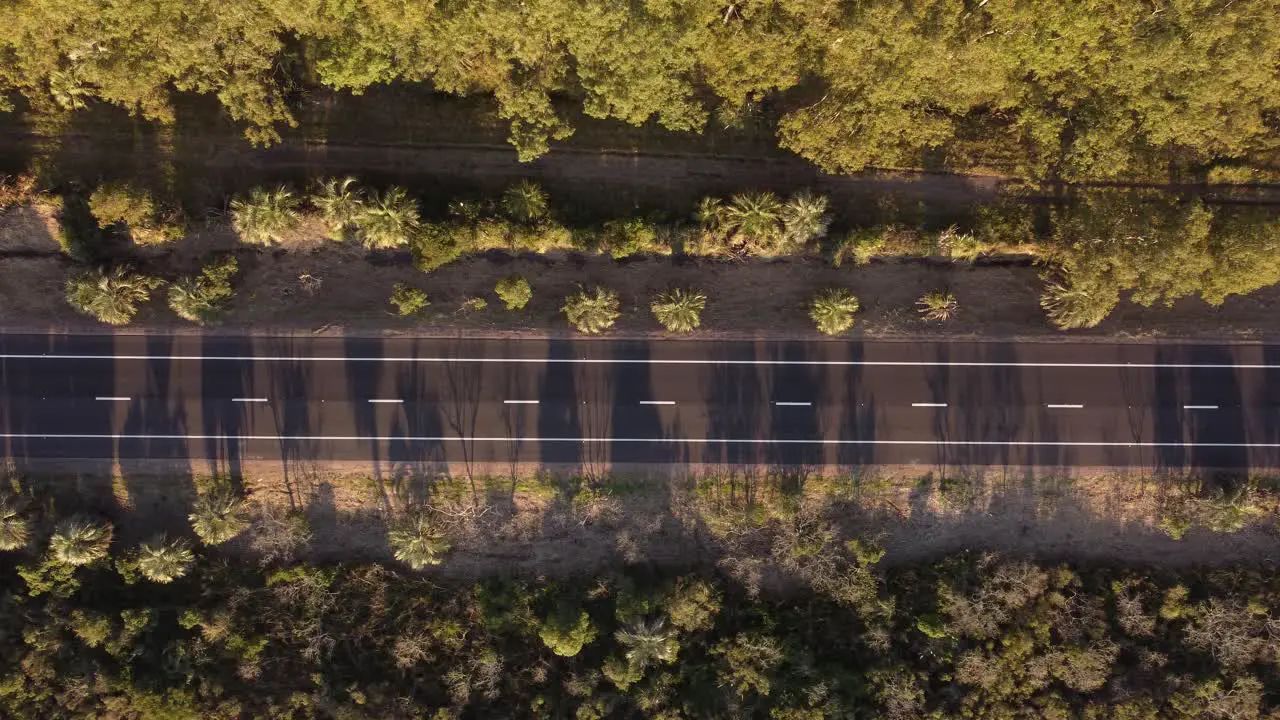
(579,401)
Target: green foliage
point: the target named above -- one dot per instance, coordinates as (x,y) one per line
(634,236)
(163,561)
(133,208)
(761,224)
(474,304)
(937,306)
(565,632)
(199,299)
(645,643)
(15,531)
(832,310)
(80,541)
(266,216)
(340,203)
(679,310)
(514,291)
(1074,303)
(219,515)
(693,605)
(417,541)
(592,313)
(112,296)
(409,301)
(526,202)
(389,219)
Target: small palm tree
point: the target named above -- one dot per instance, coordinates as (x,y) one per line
(592,313)
(937,306)
(679,310)
(711,214)
(389,220)
(80,541)
(833,310)
(266,215)
(804,219)
(525,202)
(219,516)
(340,203)
(1072,305)
(15,532)
(112,296)
(200,298)
(164,561)
(417,543)
(648,642)
(755,218)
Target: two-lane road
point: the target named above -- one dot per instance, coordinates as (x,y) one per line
(579,401)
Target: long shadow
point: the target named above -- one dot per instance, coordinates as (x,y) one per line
(632,383)
(1166,409)
(460,403)
(792,379)
(289,390)
(1221,387)
(1268,404)
(559,419)
(858,416)
(223,420)
(733,403)
(415,462)
(363,382)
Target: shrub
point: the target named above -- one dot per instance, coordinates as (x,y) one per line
(266,215)
(124,204)
(804,219)
(111,296)
(340,204)
(474,304)
(408,300)
(592,313)
(937,306)
(163,561)
(417,542)
(219,516)
(679,310)
(525,202)
(1072,305)
(79,542)
(833,310)
(862,246)
(200,298)
(565,632)
(624,238)
(514,291)
(15,532)
(389,220)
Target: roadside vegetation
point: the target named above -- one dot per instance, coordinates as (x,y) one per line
(200,298)
(847,87)
(832,310)
(679,310)
(594,312)
(788,616)
(112,296)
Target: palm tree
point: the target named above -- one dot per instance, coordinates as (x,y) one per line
(833,310)
(648,642)
(389,219)
(219,516)
(14,530)
(417,542)
(162,561)
(679,310)
(804,219)
(340,203)
(199,298)
(112,296)
(264,217)
(1071,303)
(592,314)
(711,214)
(80,541)
(754,218)
(525,202)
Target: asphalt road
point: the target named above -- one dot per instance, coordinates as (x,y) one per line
(600,402)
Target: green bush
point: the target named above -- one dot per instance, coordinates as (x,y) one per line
(219,515)
(409,301)
(514,291)
(389,220)
(1075,304)
(624,238)
(832,310)
(525,202)
(417,542)
(80,541)
(134,208)
(199,299)
(592,313)
(112,296)
(266,216)
(679,310)
(565,632)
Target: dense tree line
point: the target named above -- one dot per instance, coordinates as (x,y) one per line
(1074,90)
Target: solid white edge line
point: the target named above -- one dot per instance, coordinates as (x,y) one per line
(650,361)
(928,405)
(376,400)
(1064,407)
(520,402)
(248,400)
(111,398)
(1199,407)
(657,402)
(682,441)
